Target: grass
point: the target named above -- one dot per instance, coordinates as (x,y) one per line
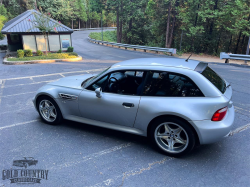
(50,56)
(109,36)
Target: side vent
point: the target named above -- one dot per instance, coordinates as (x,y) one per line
(67,96)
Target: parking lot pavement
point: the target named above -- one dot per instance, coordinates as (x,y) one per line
(82,155)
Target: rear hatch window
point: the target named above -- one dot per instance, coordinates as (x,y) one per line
(215,79)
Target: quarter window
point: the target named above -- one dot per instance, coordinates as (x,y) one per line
(170,84)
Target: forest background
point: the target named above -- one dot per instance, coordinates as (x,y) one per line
(200,26)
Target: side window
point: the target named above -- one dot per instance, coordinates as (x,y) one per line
(100,83)
(121,82)
(170,84)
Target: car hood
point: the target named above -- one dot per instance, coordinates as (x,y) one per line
(72,81)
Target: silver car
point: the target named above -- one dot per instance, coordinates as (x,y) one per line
(176,104)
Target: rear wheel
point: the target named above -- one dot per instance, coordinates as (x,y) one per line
(172,136)
(49,110)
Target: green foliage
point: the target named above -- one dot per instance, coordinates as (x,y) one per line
(179,53)
(59,51)
(39,53)
(109,36)
(49,56)
(70,49)
(208,26)
(73,53)
(2,21)
(28,53)
(20,53)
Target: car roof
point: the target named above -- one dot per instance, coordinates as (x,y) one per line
(149,62)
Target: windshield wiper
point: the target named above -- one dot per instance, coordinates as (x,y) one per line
(228,85)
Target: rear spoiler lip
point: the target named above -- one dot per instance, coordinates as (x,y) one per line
(201,67)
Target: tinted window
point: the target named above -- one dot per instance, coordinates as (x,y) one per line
(121,82)
(91,78)
(100,83)
(170,84)
(215,79)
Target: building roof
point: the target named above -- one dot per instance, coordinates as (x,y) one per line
(20,24)
(173,62)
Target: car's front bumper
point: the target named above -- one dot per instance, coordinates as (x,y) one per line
(210,131)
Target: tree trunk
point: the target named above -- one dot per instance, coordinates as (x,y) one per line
(130,28)
(172,31)
(79,23)
(196,17)
(229,44)
(98,24)
(120,32)
(236,48)
(117,24)
(248,46)
(72,24)
(242,43)
(89,23)
(168,24)
(46,44)
(217,48)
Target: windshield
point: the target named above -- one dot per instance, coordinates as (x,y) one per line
(92,78)
(217,81)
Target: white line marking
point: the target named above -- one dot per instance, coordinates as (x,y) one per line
(17,94)
(1,90)
(137,171)
(32,79)
(62,75)
(30,83)
(45,75)
(238,108)
(17,124)
(92,156)
(12,111)
(240,129)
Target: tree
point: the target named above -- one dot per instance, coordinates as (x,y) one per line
(3,18)
(42,22)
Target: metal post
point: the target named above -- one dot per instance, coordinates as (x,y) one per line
(248,45)
(181,39)
(101,26)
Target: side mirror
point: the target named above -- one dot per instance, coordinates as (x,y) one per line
(98,92)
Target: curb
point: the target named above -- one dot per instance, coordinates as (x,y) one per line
(40,61)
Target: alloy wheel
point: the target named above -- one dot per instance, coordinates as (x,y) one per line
(171,137)
(47,110)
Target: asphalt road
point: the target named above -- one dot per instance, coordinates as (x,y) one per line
(82,155)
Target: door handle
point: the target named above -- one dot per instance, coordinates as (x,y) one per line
(128,105)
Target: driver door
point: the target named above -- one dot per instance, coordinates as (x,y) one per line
(119,102)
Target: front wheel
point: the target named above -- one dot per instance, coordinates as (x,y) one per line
(172,136)
(49,110)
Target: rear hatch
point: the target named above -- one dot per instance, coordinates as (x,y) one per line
(221,84)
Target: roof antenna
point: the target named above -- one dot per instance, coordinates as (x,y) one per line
(188,57)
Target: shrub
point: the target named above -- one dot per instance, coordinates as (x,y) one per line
(28,52)
(73,54)
(39,53)
(20,53)
(70,49)
(59,51)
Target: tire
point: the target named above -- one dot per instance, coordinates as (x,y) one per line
(172,136)
(46,106)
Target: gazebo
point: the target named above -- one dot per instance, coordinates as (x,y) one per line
(19,35)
